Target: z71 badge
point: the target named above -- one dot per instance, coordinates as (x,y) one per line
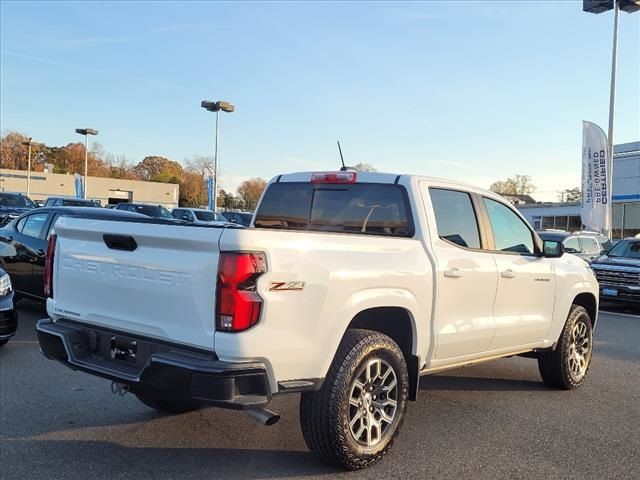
(282,286)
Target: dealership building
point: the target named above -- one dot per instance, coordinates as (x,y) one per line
(626,199)
(106,190)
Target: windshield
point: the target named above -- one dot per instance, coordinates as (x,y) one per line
(625,249)
(79,203)
(164,213)
(156,211)
(16,201)
(208,216)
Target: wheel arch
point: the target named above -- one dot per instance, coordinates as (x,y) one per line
(398,324)
(590,303)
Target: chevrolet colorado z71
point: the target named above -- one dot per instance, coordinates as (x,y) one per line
(346,288)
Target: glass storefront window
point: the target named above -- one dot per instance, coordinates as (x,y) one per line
(617,221)
(631,219)
(575,223)
(561,222)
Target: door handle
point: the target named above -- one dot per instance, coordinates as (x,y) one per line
(453,273)
(508,273)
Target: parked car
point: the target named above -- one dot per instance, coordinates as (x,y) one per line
(584,245)
(241,218)
(23,244)
(71,202)
(12,205)
(198,215)
(349,286)
(155,211)
(618,272)
(8,313)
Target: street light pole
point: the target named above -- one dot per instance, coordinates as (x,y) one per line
(29,144)
(215,164)
(597,7)
(216,107)
(86,166)
(29,169)
(612,106)
(86,132)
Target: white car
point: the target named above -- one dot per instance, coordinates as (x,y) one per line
(346,287)
(199,216)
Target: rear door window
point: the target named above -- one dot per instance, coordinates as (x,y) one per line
(455,217)
(573,244)
(589,245)
(364,208)
(34,225)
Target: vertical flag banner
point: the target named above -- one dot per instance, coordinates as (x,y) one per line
(209,183)
(596,197)
(79,184)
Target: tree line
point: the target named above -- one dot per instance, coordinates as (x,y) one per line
(69,159)
(523,185)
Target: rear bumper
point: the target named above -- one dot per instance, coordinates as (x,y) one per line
(177,371)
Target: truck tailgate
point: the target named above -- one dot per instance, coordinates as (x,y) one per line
(161,286)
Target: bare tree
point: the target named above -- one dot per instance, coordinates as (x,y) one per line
(518,185)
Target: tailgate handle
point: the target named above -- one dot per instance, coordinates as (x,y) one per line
(120,242)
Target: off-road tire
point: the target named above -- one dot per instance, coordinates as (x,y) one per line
(167,405)
(325,414)
(554,366)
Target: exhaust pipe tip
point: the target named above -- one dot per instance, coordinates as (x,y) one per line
(263,416)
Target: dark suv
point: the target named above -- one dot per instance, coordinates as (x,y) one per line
(156,211)
(70,202)
(12,205)
(618,272)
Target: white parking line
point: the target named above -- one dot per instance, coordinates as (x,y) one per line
(620,314)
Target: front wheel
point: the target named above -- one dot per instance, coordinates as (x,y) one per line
(353,420)
(567,366)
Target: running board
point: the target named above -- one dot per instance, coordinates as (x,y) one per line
(466,363)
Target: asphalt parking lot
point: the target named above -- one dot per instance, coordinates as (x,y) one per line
(492,421)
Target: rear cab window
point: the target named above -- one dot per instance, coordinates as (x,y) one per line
(358,208)
(455,217)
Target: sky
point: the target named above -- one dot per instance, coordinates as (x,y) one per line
(474,91)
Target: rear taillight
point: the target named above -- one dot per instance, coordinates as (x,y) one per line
(238,304)
(48,266)
(334,177)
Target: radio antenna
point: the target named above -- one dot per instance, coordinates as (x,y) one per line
(344,168)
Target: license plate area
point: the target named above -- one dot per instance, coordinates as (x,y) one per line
(610,292)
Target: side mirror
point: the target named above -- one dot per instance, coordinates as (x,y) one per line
(552,249)
(571,250)
(185,217)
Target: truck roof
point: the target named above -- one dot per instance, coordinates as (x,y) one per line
(390,178)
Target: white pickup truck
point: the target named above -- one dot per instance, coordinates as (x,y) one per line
(347,287)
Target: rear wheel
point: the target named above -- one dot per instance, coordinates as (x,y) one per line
(353,420)
(567,366)
(167,405)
